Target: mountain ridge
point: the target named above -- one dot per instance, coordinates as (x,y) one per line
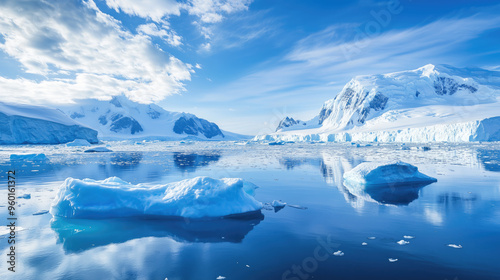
(121,118)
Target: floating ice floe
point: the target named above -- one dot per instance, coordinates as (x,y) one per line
(78,143)
(408,237)
(338,253)
(364,243)
(98,150)
(29,157)
(393,260)
(200,197)
(403,242)
(455,246)
(372,237)
(278,203)
(391,173)
(220,277)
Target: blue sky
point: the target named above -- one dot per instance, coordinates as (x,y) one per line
(240,63)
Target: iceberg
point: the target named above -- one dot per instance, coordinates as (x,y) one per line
(392,173)
(78,143)
(278,203)
(28,124)
(200,197)
(29,157)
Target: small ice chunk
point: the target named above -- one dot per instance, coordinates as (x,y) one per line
(247,265)
(408,237)
(78,143)
(278,203)
(371,237)
(455,246)
(98,150)
(338,253)
(25,196)
(364,243)
(396,172)
(220,277)
(403,242)
(392,260)
(41,212)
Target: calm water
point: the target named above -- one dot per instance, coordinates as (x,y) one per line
(462,208)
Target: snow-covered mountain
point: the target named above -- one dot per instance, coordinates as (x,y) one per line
(121,118)
(431,103)
(289,122)
(27,124)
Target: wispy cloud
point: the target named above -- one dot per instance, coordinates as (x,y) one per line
(332,56)
(208,13)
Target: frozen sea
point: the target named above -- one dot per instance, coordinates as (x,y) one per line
(327,230)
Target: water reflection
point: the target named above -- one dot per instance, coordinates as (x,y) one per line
(190,162)
(333,165)
(77,235)
(490,159)
(398,195)
(126,159)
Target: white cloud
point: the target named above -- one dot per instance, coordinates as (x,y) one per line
(211,11)
(164,32)
(155,10)
(208,12)
(94,54)
(206,47)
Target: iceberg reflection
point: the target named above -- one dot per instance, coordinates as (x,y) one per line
(190,162)
(77,235)
(393,194)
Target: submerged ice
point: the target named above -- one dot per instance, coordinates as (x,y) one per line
(200,197)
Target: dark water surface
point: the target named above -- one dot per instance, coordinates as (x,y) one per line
(462,208)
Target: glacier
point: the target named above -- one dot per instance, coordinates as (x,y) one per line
(78,143)
(28,124)
(430,104)
(200,197)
